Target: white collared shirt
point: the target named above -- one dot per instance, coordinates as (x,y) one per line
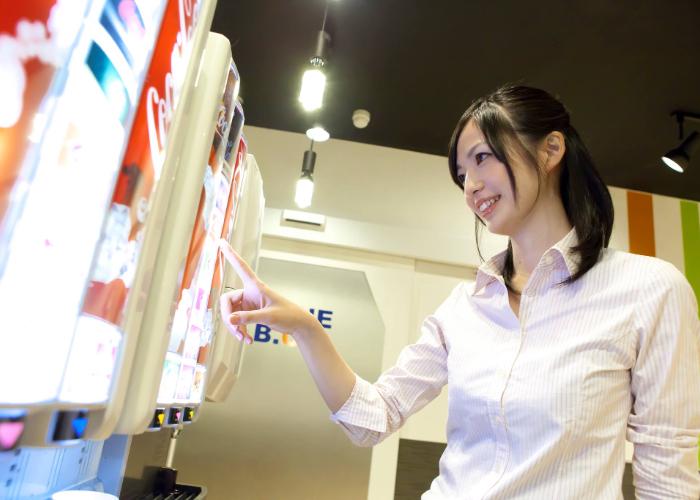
(539,407)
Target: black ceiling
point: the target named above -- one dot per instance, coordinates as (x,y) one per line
(620,66)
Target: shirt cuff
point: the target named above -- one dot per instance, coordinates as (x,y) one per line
(364,408)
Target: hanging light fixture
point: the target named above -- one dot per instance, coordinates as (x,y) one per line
(318,134)
(313,83)
(305,185)
(313,86)
(678,158)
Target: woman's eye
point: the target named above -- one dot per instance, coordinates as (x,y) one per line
(480,157)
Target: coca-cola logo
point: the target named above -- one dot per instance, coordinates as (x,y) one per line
(160,108)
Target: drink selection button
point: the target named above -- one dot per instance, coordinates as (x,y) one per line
(174,416)
(11,430)
(188,415)
(158,419)
(70,425)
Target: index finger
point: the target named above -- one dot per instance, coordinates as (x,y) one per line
(239,265)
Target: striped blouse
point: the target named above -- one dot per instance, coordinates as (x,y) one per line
(540,406)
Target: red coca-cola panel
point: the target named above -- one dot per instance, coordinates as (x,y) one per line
(143,160)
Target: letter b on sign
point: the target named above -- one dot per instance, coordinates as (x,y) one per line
(262,333)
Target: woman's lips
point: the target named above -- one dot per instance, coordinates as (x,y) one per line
(488,206)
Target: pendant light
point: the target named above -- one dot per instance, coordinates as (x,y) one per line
(313,82)
(305,185)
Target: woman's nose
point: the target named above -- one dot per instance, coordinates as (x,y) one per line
(472,185)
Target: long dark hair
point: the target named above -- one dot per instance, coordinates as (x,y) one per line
(520,115)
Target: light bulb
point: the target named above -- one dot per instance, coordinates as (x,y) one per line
(673,165)
(304,192)
(313,85)
(318,134)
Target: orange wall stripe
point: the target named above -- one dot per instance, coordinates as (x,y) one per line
(640,213)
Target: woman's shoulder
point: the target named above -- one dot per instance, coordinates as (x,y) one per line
(640,269)
(459,292)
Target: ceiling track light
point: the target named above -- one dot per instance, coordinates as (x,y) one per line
(678,158)
(313,82)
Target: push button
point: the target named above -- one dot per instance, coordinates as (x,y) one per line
(11,430)
(70,425)
(158,419)
(188,416)
(174,416)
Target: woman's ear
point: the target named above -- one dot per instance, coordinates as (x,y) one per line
(555,147)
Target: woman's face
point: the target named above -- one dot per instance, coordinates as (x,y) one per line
(487,188)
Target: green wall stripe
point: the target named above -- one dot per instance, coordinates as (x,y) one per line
(690,222)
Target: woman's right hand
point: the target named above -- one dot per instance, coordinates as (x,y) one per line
(257,303)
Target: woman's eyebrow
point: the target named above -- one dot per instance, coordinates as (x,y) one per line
(471,150)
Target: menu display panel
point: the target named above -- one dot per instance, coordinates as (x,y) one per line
(100,330)
(185,368)
(67,60)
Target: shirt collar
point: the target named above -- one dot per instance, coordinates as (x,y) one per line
(492,269)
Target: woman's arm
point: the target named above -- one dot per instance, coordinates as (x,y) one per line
(665,420)
(367,412)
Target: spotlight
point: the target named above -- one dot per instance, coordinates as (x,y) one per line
(678,158)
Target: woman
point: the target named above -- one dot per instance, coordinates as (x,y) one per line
(559,350)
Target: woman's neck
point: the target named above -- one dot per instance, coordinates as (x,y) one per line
(543,229)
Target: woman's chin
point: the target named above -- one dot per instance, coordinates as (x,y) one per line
(494,227)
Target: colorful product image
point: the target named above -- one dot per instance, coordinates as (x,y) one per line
(184,382)
(34,42)
(198,384)
(110,81)
(54,234)
(124,23)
